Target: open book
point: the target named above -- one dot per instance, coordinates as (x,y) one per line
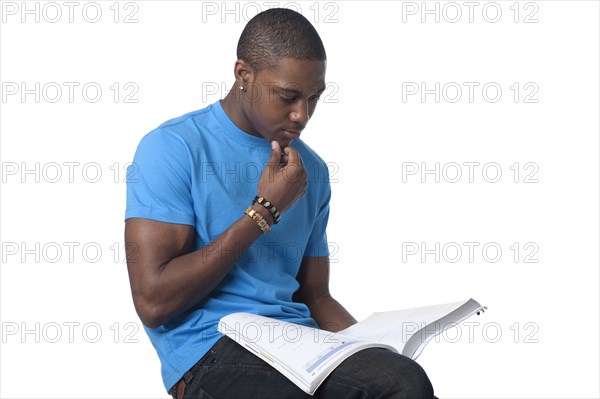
(306,356)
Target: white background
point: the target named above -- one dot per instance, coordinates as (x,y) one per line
(539,338)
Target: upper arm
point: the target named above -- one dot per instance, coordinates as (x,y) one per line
(313,275)
(313,278)
(159,213)
(150,245)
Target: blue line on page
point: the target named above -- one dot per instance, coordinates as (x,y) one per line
(328,355)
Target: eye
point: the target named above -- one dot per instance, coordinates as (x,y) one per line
(288,100)
(314,99)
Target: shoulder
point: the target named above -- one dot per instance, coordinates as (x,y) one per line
(178,133)
(309,156)
(316,168)
(186,120)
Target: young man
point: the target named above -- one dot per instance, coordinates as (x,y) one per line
(201,248)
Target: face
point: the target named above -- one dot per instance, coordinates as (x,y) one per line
(278,103)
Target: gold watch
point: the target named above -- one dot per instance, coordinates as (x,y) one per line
(258,218)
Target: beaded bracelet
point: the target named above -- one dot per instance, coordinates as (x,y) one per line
(269,206)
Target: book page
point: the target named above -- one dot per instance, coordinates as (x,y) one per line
(417,342)
(395,328)
(305,355)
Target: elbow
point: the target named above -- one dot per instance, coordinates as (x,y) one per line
(150,321)
(151,315)
(311,297)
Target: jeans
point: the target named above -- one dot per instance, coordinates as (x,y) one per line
(232,372)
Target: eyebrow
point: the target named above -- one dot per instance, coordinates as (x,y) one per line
(297,92)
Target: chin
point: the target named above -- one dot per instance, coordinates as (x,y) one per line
(284,142)
(286,139)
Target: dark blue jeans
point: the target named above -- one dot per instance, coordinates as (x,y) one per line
(230,371)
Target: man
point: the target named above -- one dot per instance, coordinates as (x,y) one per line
(205,240)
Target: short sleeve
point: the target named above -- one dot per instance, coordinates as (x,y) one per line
(317,244)
(159,180)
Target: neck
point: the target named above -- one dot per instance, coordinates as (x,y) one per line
(232,105)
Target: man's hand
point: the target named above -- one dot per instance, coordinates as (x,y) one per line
(283,181)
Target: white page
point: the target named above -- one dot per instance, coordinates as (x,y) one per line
(305,355)
(396,327)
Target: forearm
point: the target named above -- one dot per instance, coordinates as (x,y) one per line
(184,281)
(167,278)
(329,314)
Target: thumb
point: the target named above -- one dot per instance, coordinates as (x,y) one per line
(275,153)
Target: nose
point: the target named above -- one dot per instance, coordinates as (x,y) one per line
(300,113)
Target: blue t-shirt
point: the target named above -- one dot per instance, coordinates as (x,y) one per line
(201,170)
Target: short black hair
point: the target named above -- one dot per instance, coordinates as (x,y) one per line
(279,33)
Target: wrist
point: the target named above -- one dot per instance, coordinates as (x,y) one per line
(264,213)
(261,222)
(269,207)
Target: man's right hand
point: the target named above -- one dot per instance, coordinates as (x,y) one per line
(283,185)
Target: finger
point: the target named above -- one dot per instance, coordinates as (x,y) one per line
(300,160)
(292,155)
(284,159)
(275,156)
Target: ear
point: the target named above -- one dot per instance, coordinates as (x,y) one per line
(243,73)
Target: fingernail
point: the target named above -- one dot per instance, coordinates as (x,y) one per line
(273,144)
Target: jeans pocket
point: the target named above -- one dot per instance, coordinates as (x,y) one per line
(194,375)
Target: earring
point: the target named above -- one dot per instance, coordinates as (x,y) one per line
(242,88)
